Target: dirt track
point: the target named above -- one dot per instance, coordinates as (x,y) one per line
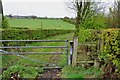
(51,73)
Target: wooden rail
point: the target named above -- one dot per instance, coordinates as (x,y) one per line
(85,61)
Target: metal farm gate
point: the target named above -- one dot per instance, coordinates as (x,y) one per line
(4,51)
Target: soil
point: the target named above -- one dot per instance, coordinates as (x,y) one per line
(51,73)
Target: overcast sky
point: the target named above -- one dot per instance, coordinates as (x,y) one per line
(49,8)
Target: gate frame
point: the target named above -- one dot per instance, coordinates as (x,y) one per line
(21,53)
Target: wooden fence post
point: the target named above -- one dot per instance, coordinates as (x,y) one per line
(96,61)
(75,45)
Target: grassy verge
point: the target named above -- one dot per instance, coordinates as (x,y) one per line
(80,72)
(0,65)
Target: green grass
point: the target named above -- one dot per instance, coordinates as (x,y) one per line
(80,72)
(40,23)
(0,19)
(24,72)
(61,58)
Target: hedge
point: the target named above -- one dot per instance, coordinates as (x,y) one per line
(27,34)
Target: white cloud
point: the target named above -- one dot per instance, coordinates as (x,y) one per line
(54,0)
(50,9)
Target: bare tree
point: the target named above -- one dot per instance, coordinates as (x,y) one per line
(118,13)
(84,9)
(81,9)
(114,15)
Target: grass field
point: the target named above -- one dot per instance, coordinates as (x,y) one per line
(40,23)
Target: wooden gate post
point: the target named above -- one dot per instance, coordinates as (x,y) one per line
(75,45)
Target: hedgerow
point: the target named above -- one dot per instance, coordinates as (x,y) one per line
(109,44)
(36,34)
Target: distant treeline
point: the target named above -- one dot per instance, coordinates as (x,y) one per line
(29,17)
(69,20)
